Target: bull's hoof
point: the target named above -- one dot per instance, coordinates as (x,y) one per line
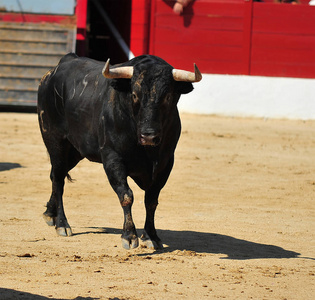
(156,245)
(64,231)
(50,221)
(153,244)
(133,243)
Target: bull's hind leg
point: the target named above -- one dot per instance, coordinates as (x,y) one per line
(63,157)
(54,214)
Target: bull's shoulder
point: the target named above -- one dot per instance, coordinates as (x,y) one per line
(71,59)
(50,73)
(72,68)
(68,57)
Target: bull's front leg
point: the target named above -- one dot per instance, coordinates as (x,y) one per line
(129,236)
(149,236)
(117,176)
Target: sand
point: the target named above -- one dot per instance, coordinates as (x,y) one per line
(237,218)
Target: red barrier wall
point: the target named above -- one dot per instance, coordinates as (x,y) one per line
(283,40)
(140,26)
(236,37)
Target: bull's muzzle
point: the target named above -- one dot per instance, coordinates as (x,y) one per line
(150,139)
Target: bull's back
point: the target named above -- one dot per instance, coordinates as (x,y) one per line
(70,102)
(48,88)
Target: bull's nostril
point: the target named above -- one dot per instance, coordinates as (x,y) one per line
(150,139)
(156,140)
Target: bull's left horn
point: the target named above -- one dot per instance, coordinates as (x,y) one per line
(119,72)
(181,75)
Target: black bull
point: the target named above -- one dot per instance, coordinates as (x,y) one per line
(124,117)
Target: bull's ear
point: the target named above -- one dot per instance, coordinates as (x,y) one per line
(121,85)
(182,87)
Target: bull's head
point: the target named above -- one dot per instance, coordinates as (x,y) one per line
(154,88)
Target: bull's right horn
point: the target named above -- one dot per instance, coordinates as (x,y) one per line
(119,72)
(181,75)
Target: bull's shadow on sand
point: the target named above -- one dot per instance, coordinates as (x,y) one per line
(9,294)
(6,166)
(201,242)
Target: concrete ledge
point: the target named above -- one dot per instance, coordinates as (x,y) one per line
(252,96)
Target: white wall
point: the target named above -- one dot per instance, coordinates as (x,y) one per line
(252,96)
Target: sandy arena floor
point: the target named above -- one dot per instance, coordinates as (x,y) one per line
(237,218)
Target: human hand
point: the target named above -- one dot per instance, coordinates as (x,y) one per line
(178,8)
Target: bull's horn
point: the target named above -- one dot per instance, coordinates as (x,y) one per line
(119,72)
(181,75)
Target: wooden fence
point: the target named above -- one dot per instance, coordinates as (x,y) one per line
(236,37)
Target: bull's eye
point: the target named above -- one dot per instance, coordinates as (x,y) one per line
(167,99)
(135,98)
(135,102)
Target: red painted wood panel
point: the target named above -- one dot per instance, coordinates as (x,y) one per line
(212,66)
(199,37)
(140,27)
(236,37)
(284,19)
(277,69)
(210,33)
(81,13)
(189,52)
(274,40)
(35,18)
(207,22)
(304,2)
(283,40)
(201,7)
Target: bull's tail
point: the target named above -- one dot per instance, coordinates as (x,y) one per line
(70,178)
